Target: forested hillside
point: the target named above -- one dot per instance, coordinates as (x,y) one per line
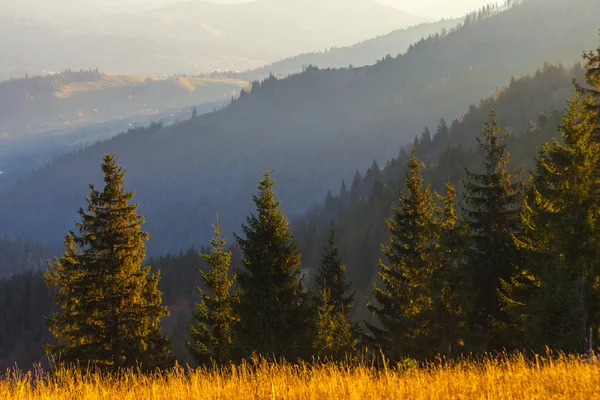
(315,128)
(529,107)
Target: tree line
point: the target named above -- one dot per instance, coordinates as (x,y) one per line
(512,265)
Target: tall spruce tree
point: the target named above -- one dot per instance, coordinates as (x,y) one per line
(215,317)
(559,302)
(450,288)
(274,311)
(336,333)
(404,304)
(110,306)
(493,202)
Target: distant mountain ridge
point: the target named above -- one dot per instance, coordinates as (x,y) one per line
(193,36)
(315,128)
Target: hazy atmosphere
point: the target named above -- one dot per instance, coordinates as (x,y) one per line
(299,199)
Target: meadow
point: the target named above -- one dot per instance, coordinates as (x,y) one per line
(506,378)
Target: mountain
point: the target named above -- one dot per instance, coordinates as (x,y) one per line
(315,129)
(45,116)
(358,213)
(529,108)
(193,36)
(357,55)
(40,104)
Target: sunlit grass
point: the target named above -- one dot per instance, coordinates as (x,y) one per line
(511,378)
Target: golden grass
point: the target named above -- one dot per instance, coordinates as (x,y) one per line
(107,81)
(563,378)
(114,80)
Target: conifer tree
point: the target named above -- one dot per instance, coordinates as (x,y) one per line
(559,302)
(493,202)
(336,334)
(404,304)
(110,306)
(274,311)
(450,285)
(332,274)
(213,338)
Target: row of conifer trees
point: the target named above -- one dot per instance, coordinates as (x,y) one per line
(515,267)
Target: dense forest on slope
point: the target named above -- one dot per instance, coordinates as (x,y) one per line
(315,128)
(529,107)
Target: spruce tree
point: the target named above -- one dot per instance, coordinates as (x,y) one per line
(404,304)
(336,334)
(332,274)
(215,317)
(559,302)
(274,311)
(450,289)
(493,202)
(110,306)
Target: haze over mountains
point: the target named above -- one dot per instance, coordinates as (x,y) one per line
(188,37)
(315,128)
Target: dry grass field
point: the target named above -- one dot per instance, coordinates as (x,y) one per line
(511,378)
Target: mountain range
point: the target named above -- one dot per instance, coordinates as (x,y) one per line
(192,36)
(315,128)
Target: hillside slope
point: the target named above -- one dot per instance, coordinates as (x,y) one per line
(357,55)
(40,104)
(314,128)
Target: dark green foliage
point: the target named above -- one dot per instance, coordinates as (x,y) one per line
(274,311)
(110,306)
(332,275)
(404,304)
(450,287)
(493,202)
(336,333)
(212,337)
(558,295)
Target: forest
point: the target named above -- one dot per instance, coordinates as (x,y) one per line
(474,239)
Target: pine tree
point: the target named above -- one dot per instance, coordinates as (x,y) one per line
(493,203)
(274,312)
(332,274)
(336,334)
(450,283)
(404,304)
(110,306)
(559,301)
(213,338)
